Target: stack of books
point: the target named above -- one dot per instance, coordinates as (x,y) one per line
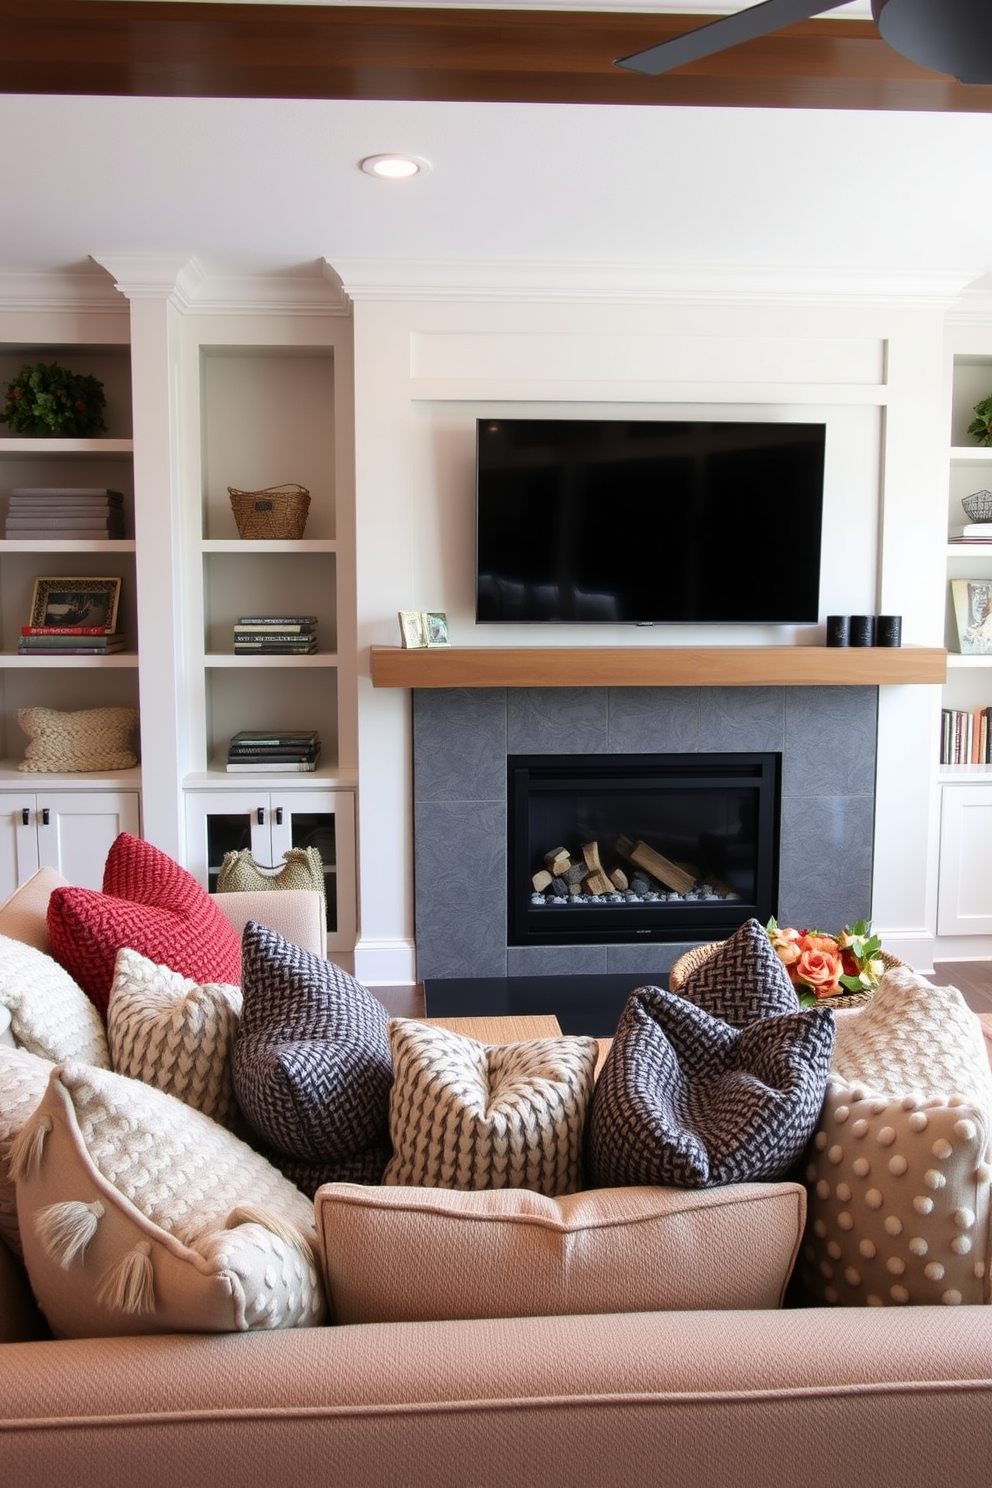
(68,640)
(252,750)
(275,635)
(972,532)
(65,511)
(965,737)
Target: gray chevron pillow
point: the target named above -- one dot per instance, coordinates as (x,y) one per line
(689,1099)
(467,1115)
(312,1066)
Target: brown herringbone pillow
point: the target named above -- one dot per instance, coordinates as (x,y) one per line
(467,1115)
(174,1033)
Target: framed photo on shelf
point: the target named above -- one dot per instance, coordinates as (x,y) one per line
(973,615)
(436,628)
(76,601)
(412,629)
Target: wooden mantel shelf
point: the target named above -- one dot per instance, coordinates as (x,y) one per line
(657,666)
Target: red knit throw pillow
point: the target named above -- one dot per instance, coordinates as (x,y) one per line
(149,904)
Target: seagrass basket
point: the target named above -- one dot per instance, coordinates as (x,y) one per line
(689,960)
(278,511)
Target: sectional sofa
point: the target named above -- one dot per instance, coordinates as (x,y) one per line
(764,1397)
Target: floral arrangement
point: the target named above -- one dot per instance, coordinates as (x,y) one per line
(45,399)
(822,965)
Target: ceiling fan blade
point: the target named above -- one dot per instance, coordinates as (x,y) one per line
(727,31)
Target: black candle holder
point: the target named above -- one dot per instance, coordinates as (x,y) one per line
(862,630)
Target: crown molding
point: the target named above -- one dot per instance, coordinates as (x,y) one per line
(60,291)
(386,279)
(193,285)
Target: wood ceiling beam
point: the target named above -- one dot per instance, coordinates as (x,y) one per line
(181,50)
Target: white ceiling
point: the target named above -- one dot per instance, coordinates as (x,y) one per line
(268,184)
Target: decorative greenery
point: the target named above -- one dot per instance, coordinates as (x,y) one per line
(981,427)
(828,965)
(45,400)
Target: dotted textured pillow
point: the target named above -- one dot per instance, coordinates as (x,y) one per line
(312,1067)
(900,1167)
(23,1080)
(468,1115)
(141,1215)
(150,904)
(422,1254)
(50,1014)
(174,1033)
(93,739)
(687,1098)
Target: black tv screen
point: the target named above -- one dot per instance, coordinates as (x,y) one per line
(646,522)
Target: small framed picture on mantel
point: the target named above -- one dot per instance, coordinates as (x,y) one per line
(412,632)
(436,628)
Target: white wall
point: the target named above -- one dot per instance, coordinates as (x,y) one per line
(425,369)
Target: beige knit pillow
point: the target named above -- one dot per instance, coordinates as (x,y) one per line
(50,1014)
(468,1115)
(23,1079)
(412,1255)
(92,739)
(174,1033)
(900,1167)
(141,1215)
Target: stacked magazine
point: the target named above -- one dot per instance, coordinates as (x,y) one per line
(275,635)
(270,750)
(64,512)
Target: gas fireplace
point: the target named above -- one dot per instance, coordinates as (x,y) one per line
(606,849)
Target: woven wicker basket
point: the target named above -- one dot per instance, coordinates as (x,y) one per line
(689,960)
(278,511)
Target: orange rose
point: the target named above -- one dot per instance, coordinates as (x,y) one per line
(819,970)
(785,944)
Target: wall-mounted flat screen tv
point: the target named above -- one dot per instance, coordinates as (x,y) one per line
(648,522)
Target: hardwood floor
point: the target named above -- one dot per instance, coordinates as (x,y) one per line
(973,980)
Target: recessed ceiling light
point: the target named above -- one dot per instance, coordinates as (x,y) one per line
(393,167)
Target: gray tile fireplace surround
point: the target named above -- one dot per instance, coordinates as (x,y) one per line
(462,736)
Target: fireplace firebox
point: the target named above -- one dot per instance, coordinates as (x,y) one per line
(628,849)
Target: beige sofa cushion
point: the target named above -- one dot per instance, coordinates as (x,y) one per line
(403,1255)
(899,1169)
(141,1215)
(468,1115)
(24,916)
(174,1033)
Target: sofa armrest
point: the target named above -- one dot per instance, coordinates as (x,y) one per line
(299,915)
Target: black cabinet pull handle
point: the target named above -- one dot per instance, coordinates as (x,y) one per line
(261,816)
(278,816)
(25,815)
(45,814)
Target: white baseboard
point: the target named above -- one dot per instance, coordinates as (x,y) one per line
(386,963)
(915,947)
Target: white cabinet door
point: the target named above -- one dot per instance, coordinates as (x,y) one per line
(964,894)
(70,831)
(271,822)
(76,831)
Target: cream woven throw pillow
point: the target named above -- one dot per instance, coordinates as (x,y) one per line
(50,1014)
(141,1215)
(468,1115)
(174,1033)
(93,739)
(899,1172)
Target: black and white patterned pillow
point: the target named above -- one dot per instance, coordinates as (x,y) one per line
(312,1065)
(743,979)
(687,1098)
